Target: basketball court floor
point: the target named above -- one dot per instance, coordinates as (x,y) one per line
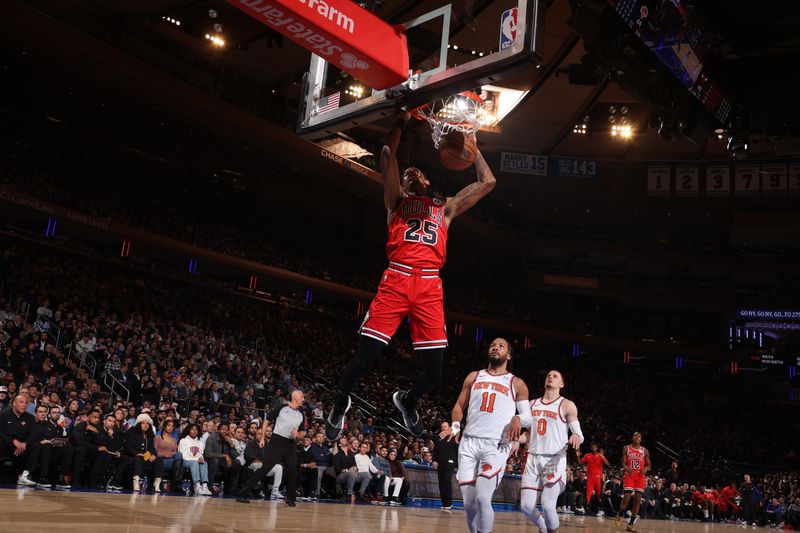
(26,510)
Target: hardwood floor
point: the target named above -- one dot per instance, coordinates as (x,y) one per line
(27,510)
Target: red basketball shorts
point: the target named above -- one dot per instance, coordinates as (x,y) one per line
(634,481)
(416,293)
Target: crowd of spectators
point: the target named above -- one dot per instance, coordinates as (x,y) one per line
(199,366)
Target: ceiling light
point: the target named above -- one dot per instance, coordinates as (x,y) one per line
(738,147)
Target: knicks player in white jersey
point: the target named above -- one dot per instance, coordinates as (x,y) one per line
(553,417)
(497,410)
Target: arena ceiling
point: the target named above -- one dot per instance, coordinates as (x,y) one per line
(751,53)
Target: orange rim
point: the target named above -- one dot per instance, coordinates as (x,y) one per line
(419,115)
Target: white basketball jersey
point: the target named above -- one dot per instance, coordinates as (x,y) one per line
(549,429)
(492,404)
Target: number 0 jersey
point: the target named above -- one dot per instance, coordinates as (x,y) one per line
(418,233)
(492,404)
(549,431)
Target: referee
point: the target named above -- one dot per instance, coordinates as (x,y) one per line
(289,424)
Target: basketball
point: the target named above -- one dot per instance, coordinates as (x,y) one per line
(457,151)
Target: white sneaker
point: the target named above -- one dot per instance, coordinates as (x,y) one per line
(25,481)
(275,495)
(600,514)
(136,486)
(206,490)
(157,485)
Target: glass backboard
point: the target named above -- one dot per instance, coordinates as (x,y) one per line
(452,47)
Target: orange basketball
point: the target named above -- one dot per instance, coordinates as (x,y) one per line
(457,151)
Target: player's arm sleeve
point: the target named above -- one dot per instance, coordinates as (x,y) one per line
(524,413)
(575,428)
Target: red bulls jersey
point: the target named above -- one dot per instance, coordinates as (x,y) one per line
(417,233)
(634,458)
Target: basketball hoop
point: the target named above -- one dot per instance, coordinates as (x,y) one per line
(460,112)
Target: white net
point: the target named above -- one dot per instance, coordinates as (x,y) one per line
(461,112)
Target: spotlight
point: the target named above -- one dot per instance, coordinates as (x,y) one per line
(212,13)
(623,131)
(738,147)
(668,129)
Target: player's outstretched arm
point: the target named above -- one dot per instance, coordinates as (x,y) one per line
(570,411)
(523,417)
(392,191)
(469,195)
(458,409)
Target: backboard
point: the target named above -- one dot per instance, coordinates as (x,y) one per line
(461,45)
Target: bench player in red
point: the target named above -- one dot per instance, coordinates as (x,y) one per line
(410,286)
(594,462)
(636,463)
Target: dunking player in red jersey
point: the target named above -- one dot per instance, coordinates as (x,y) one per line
(594,462)
(636,463)
(410,286)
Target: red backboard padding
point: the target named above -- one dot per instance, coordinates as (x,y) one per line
(342,33)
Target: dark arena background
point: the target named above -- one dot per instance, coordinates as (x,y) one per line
(193,215)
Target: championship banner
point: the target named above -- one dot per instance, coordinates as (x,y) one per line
(748,180)
(342,33)
(718,181)
(659,181)
(687,181)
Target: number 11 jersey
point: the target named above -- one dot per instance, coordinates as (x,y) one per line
(492,404)
(418,233)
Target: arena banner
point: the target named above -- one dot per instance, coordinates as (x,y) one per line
(425,484)
(775,180)
(659,181)
(572,167)
(718,181)
(748,180)
(687,181)
(516,163)
(342,33)
(794,178)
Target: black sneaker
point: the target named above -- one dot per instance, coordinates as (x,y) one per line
(291,503)
(410,416)
(334,424)
(61,484)
(242,499)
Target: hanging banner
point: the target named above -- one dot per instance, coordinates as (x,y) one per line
(687,181)
(535,165)
(774,179)
(718,181)
(794,178)
(748,180)
(572,167)
(659,182)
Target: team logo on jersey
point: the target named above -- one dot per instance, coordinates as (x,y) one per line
(486,467)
